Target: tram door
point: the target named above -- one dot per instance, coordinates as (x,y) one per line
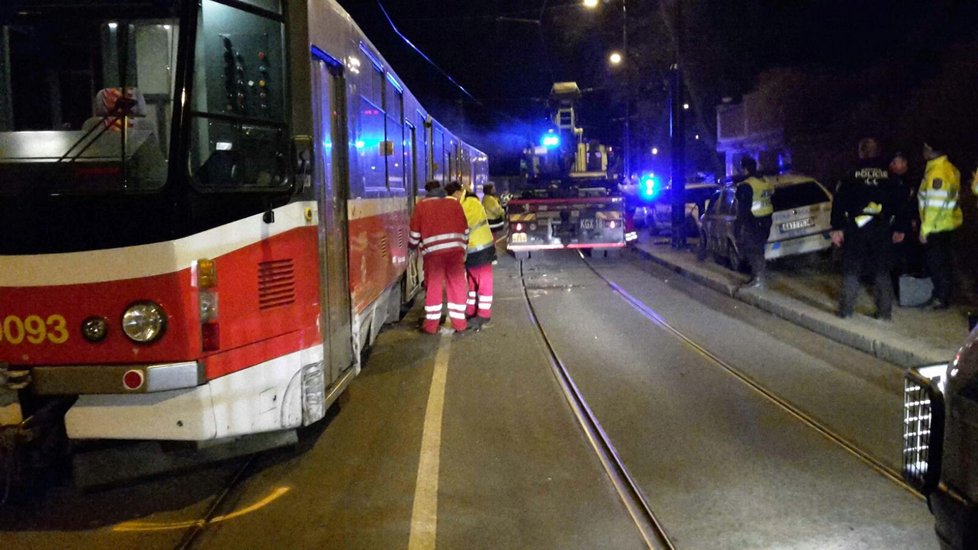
(414,271)
(332,194)
(411,160)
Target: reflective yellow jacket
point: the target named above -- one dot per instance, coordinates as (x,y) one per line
(480,237)
(761,201)
(494,212)
(938,197)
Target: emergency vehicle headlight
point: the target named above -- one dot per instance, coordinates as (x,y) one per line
(144,322)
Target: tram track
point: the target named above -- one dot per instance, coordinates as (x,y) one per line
(628,490)
(193,533)
(823,429)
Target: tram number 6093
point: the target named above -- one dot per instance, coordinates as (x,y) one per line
(34,329)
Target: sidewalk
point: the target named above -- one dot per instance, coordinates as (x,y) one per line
(805,292)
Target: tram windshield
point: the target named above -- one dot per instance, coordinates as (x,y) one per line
(86,100)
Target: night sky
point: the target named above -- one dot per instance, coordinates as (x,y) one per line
(505,65)
(498,51)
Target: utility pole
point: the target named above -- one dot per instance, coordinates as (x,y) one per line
(628,91)
(677,131)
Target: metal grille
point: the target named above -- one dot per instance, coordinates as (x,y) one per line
(384,246)
(923,428)
(276,284)
(401,244)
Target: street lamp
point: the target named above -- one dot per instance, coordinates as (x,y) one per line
(615,58)
(592,4)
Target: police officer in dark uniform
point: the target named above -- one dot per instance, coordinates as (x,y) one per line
(752,225)
(867,218)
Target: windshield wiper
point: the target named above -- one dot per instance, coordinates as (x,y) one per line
(121,111)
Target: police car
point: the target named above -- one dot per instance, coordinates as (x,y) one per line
(800,224)
(655,209)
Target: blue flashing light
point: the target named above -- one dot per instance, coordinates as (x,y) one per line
(551,140)
(360,144)
(648,187)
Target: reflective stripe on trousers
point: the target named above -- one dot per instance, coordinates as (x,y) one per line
(480,291)
(448,269)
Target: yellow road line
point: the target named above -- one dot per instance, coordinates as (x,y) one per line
(166,526)
(424,513)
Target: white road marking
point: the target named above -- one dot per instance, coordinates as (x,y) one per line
(424,513)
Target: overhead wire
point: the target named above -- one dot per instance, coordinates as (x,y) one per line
(443,72)
(424,55)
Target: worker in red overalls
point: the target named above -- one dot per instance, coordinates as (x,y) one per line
(439,228)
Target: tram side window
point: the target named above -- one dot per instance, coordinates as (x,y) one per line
(395,135)
(438,155)
(369,164)
(451,160)
(480,168)
(423,145)
(410,154)
(239,137)
(465,169)
(370,132)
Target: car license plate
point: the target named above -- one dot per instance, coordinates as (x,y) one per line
(587,223)
(798,224)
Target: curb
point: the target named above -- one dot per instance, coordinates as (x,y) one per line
(807,317)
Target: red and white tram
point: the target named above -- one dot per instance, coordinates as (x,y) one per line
(204,253)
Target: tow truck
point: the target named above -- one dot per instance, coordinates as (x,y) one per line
(567,199)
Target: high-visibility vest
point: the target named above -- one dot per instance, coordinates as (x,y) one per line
(494,212)
(480,236)
(937,199)
(760,205)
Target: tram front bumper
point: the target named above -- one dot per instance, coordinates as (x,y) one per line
(10,411)
(11,382)
(14,430)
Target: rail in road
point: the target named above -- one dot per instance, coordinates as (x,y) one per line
(631,496)
(630,492)
(810,421)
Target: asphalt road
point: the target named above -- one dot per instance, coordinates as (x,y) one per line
(721,465)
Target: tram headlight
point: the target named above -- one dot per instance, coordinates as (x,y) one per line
(144,322)
(94,329)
